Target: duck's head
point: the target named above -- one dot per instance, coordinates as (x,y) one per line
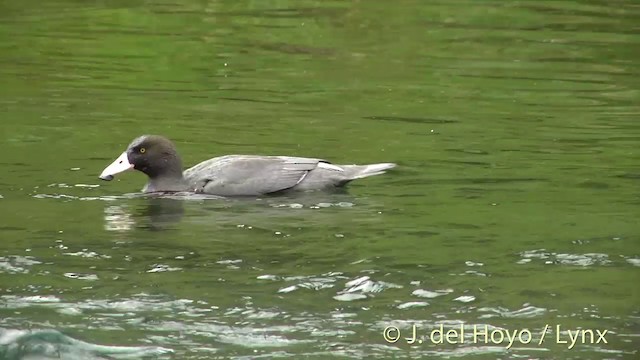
(154,155)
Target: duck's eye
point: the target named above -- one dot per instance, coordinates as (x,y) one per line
(142,150)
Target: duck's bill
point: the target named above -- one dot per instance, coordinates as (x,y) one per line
(119,165)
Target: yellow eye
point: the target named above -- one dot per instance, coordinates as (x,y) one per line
(142,150)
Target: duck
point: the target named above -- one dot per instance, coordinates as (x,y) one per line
(233,175)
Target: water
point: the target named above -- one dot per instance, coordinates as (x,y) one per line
(515,205)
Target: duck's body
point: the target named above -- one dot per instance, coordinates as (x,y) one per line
(233,175)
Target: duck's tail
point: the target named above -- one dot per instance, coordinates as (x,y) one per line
(353,172)
(331,175)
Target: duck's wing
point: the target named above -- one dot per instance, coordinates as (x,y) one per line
(237,175)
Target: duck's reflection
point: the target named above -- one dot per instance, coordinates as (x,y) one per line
(117,218)
(153,214)
(161,212)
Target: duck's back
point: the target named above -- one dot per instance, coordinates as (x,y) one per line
(234,175)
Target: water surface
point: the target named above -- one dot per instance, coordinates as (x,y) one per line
(515,205)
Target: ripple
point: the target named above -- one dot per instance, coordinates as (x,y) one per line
(551,258)
(471,263)
(39,299)
(141,302)
(465,298)
(85,253)
(583,259)
(229,262)
(50,344)
(412,304)
(349,297)
(91,186)
(430,294)
(17,264)
(68,186)
(55,196)
(77,276)
(186,196)
(319,205)
(244,336)
(364,284)
(527,311)
(288,289)
(324,281)
(476,273)
(268,277)
(467,351)
(634,261)
(156,268)
(258,338)
(264,314)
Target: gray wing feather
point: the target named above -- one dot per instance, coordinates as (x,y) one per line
(249,175)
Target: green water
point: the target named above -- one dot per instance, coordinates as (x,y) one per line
(516,127)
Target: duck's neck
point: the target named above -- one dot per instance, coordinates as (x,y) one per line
(166,184)
(168,177)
